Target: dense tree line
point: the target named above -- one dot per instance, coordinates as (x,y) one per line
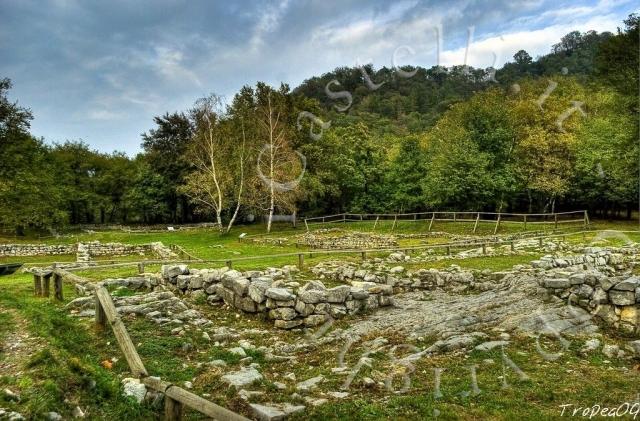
(557,132)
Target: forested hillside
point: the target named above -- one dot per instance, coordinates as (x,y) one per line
(556,132)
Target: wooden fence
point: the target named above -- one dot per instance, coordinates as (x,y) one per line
(175,397)
(300,256)
(497,218)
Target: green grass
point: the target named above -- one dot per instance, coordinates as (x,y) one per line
(572,379)
(67,366)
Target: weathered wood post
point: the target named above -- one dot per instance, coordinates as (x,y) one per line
(586,219)
(229,264)
(46,285)
(57,287)
(513,246)
(525,222)
(484,248)
(37,285)
(454,216)
(140,267)
(495,230)
(540,241)
(433,216)
(306,224)
(376,223)
(555,220)
(172,409)
(475,226)
(363,255)
(101,316)
(448,250)
(395,221)
(300,261)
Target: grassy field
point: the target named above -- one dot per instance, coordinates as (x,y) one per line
(60,365)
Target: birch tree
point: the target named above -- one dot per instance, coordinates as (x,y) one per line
(279,166)
(218,154)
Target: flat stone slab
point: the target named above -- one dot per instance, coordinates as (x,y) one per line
(241,378)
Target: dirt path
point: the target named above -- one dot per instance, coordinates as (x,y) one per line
(18,346)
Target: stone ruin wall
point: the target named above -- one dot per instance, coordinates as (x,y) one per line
(85,251)
(269,294)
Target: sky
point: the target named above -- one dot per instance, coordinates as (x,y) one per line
(99,71)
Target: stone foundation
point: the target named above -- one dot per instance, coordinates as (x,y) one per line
(270,294)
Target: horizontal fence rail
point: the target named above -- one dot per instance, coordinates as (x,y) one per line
(555,218)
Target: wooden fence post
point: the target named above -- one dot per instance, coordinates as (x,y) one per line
(395,220)
(101,316)
(454,216)
(525,222)
(140,267)
(46,285)
(376,223)
(300,261)
(229,264)
(305,224)
(433,216)
(586,219)
(475,226)
(484,248)
(513,246)
(540,241)
(555,219)
(495,230)
(172,409)
(448,249)
(57,287)
(364,255)
(37,285)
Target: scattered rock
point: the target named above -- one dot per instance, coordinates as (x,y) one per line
(309,384)
(135,389)
(243,377)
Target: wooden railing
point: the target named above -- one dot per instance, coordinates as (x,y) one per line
(175,397)
(300,256)
(454,216)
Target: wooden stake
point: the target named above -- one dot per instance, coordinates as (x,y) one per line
(37,285)
(300,261)
(495,231)
(475,226)
(46,287)
(433,216)
(101,316)
(172,409)
(57,286)
(395,220)
(229,264)
(376,223)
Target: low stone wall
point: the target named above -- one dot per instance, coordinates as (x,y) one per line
(85,251)
(286,302)
(336,238)
(592,281)
(453,279)
(36,249)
